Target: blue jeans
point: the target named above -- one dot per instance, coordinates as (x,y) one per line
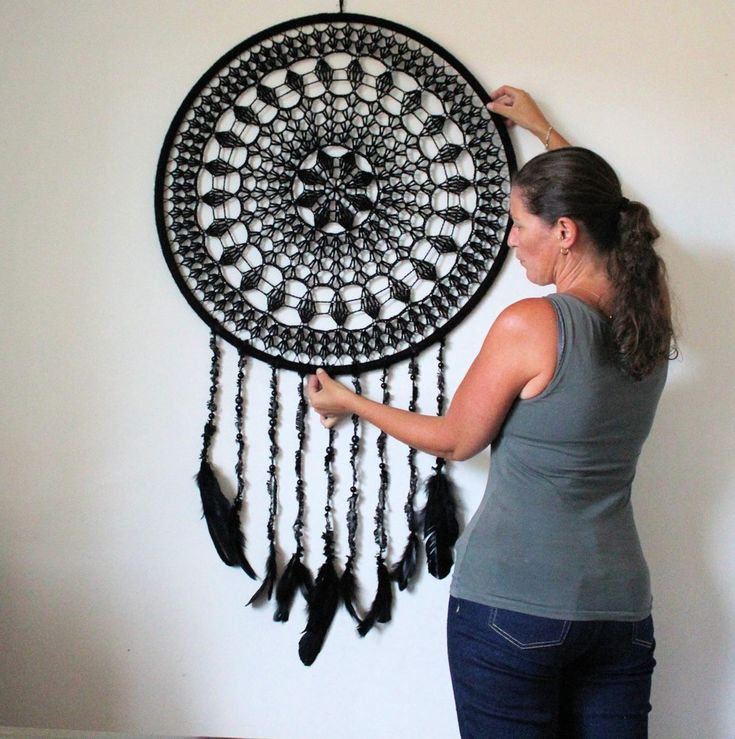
(517,676)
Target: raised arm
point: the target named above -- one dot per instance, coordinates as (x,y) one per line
(518,107)
(517,358)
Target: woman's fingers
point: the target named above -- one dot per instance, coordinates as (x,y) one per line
(326,397)
(329,421)
(314,385)
(502,101)
(517,106)
(504,91)
(502,107)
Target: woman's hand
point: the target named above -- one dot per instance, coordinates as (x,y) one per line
(518,107)
(329,398)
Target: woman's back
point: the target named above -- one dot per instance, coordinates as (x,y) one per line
(555,535)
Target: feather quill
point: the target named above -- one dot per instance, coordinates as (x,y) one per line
(322,607)
(348,589)
(440,525)
(405,568)
(380,610)
(271,575)
(295,577)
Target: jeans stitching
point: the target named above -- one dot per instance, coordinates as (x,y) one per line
(640,642)
(531,645)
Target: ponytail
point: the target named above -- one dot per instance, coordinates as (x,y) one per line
(641,330)
(579,184)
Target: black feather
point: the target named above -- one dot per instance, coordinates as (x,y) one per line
(348,589)
(322,607)
(381,607)
(405,569)
(269,581)
(217,511)
(440,525)
(295,577)
(237,539)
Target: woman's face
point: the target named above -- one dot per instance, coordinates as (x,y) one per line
(536,244)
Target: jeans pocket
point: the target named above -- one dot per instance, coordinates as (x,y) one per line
(643,633)
(528,632)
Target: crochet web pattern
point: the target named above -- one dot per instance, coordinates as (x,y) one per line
(333,192)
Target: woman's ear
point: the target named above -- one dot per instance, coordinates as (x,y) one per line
(567,232)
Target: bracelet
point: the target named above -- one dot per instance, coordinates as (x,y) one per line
(548,136)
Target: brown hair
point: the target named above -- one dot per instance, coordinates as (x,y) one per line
(581,185)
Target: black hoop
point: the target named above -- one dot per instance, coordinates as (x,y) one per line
(352,137)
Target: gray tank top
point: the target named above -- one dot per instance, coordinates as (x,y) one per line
(554,534)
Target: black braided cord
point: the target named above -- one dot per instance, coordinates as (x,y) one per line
(405,568)
(381,537)
(413,373)
(328,533)
(353,500)
(239,427)
(272,484)
(440,397)
(298,526)
(210,427)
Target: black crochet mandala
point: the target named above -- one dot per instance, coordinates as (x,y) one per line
(333,192)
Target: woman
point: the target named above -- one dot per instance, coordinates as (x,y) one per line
(549,627)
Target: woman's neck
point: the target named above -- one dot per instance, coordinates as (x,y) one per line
(591,284)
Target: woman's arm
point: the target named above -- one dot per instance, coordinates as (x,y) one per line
(518,357)
(518,107)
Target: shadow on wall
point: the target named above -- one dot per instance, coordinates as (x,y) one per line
(684,479)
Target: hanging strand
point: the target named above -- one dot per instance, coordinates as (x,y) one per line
(413,372)
(352,517)
(298,526)
(328,534)
(326,594)
(441,529)
(296,576)
(223,517)
(235,520)
(348,581)
(405,569)
(215,506)
(271,565)
(440,397)
(380,610)
(341,6)
(210,428)
(381,538)
(239,425)
(440,379)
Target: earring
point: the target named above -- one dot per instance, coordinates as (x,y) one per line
(564,251)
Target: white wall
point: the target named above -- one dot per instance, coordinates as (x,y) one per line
(115,613)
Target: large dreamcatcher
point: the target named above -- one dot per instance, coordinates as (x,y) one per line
(332,192)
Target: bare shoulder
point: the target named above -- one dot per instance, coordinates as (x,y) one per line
(527,319)
(517,359)
(526,331)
